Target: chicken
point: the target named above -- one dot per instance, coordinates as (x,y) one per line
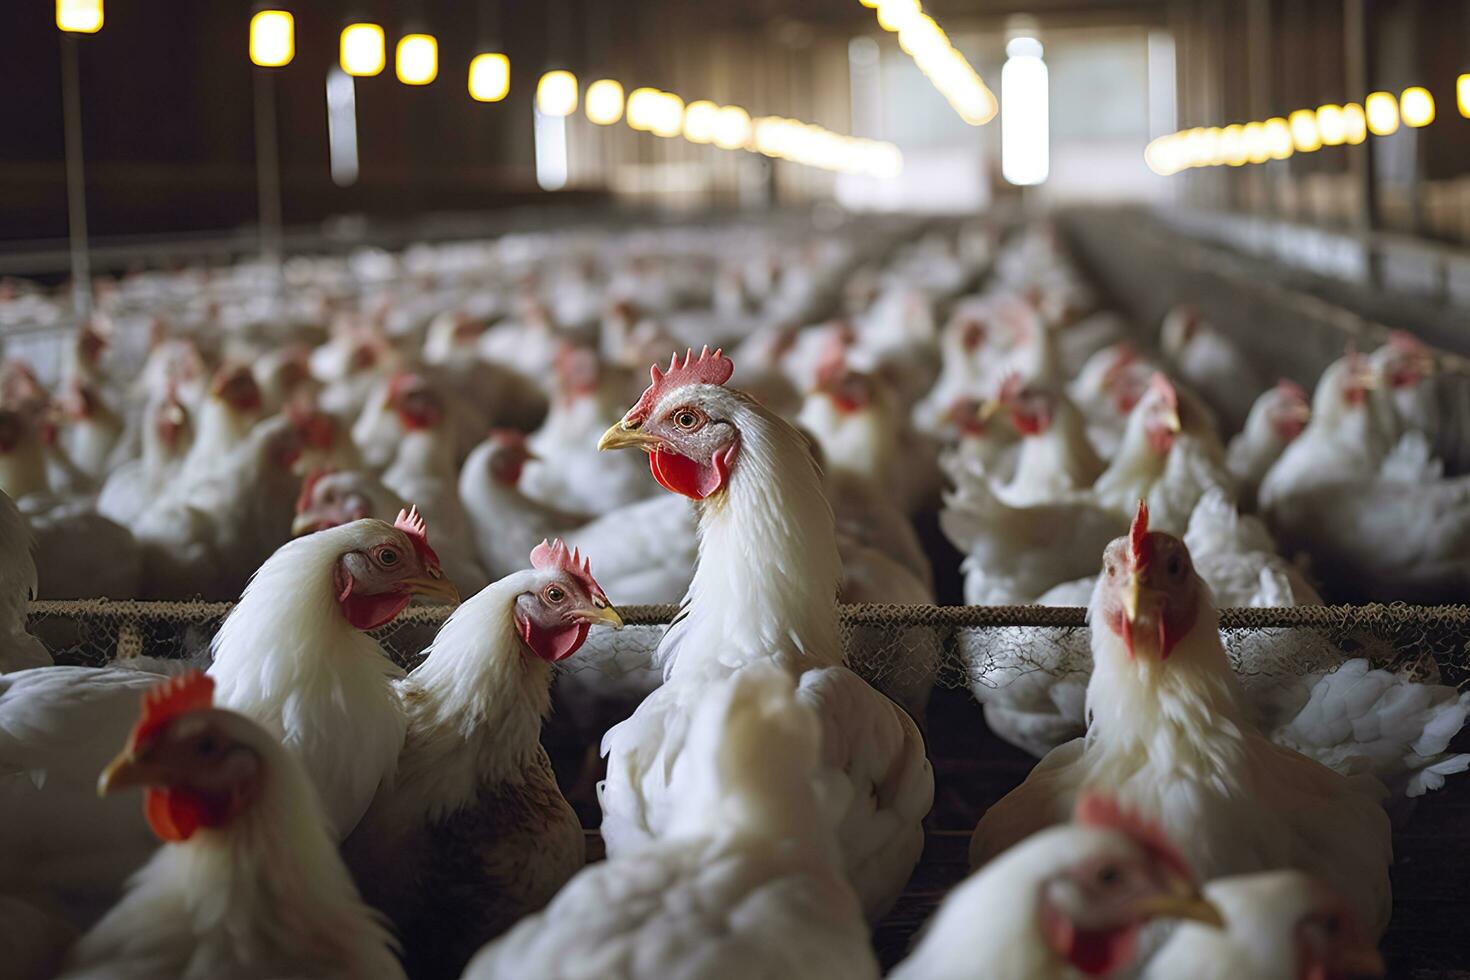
(1276,418)
(1210,362)
(1106,388)
(1407,367)
(764,592)
(648,549)
(1056,460)
(473,833)
(1169,456)
(208,531)
(1278,925)
(1169,736)
(18,648)
(330,498)
(1237,558)
(745,883)
(92,430)
(1066,902)
(225,419)
(167,436)
(1410,525)
(248,882)
(291,655)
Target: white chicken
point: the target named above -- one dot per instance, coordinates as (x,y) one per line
(1065,903)
(764,592)
(1276,418)
(248,882)
(744,883)
(167,434)
(1211,363)
(473,784)
(1056,461)
(291,655)
(1169,736)
(1278,925)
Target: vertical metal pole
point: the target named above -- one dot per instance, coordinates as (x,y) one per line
(1359,79)
(267,166)
(76,183)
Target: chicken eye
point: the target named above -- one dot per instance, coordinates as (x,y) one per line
(208,745)
(1111,570)
(1175,566)
(554,593)
(686,418)
(387,557)
(1109,874)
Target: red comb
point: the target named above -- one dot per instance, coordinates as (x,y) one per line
(1138,543)
(554,554)
(706,369)
(411,523)
(1099,810)
(1406,342)
(1288,388)
(308,487)
(179,695)
(1160,382)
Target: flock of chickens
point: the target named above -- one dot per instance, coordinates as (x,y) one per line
(445,422)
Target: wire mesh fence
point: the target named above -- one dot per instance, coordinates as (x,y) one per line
(894,647)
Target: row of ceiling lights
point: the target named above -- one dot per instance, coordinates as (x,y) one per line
(1303,131)
(922,39)
(363,53)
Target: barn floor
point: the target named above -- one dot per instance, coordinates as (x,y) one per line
(1427,938)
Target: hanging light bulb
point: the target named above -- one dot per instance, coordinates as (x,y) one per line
(732,127)
(699,121)
(363,51)
(1331,126)
(668,120)
(1278,138)
(1305,136)
(489,77)
(416,60)
(605,101)
(79,16)
(1462,95)
(643,109)
(1355,124)
(1382,111)
(556,93)
(1416,106)
(272,38)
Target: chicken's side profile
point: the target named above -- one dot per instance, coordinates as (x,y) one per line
(1276,418)
(765,591)
(291,655)
(746,881)
(1064,903)
(1278,925)
(473,833)
(248,882)
(1170,737)
(166,436)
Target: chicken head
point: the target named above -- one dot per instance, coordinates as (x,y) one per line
(554,616)
(385,568)
(1148,593)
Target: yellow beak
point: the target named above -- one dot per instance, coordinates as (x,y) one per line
(602,616)
(1172,905)
(1130,597)
(126,771)
(619,436)
(1172,421)
(433,587)
(988,410)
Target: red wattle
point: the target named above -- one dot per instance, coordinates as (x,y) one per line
(173,815)
(367,612)
(551,645)
(1100,954)
(682,475)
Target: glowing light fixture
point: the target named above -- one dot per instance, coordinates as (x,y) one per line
(1382,111)
(605,101)
(668,120)
(1024,123)
(894,14)
(1277,134)
(1305,136)
(1354,123)
(272,38)
(79,16)
(700,118)
(1256,150)
(1331,126)
(643,108)
(342,127)
(732,127)
(416,59)
(552,163)
(1416,106)
(362,51)
(1462,95)
(489,77)
(1232,145)
(556,93)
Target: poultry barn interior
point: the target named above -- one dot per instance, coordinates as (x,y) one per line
(624,491)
